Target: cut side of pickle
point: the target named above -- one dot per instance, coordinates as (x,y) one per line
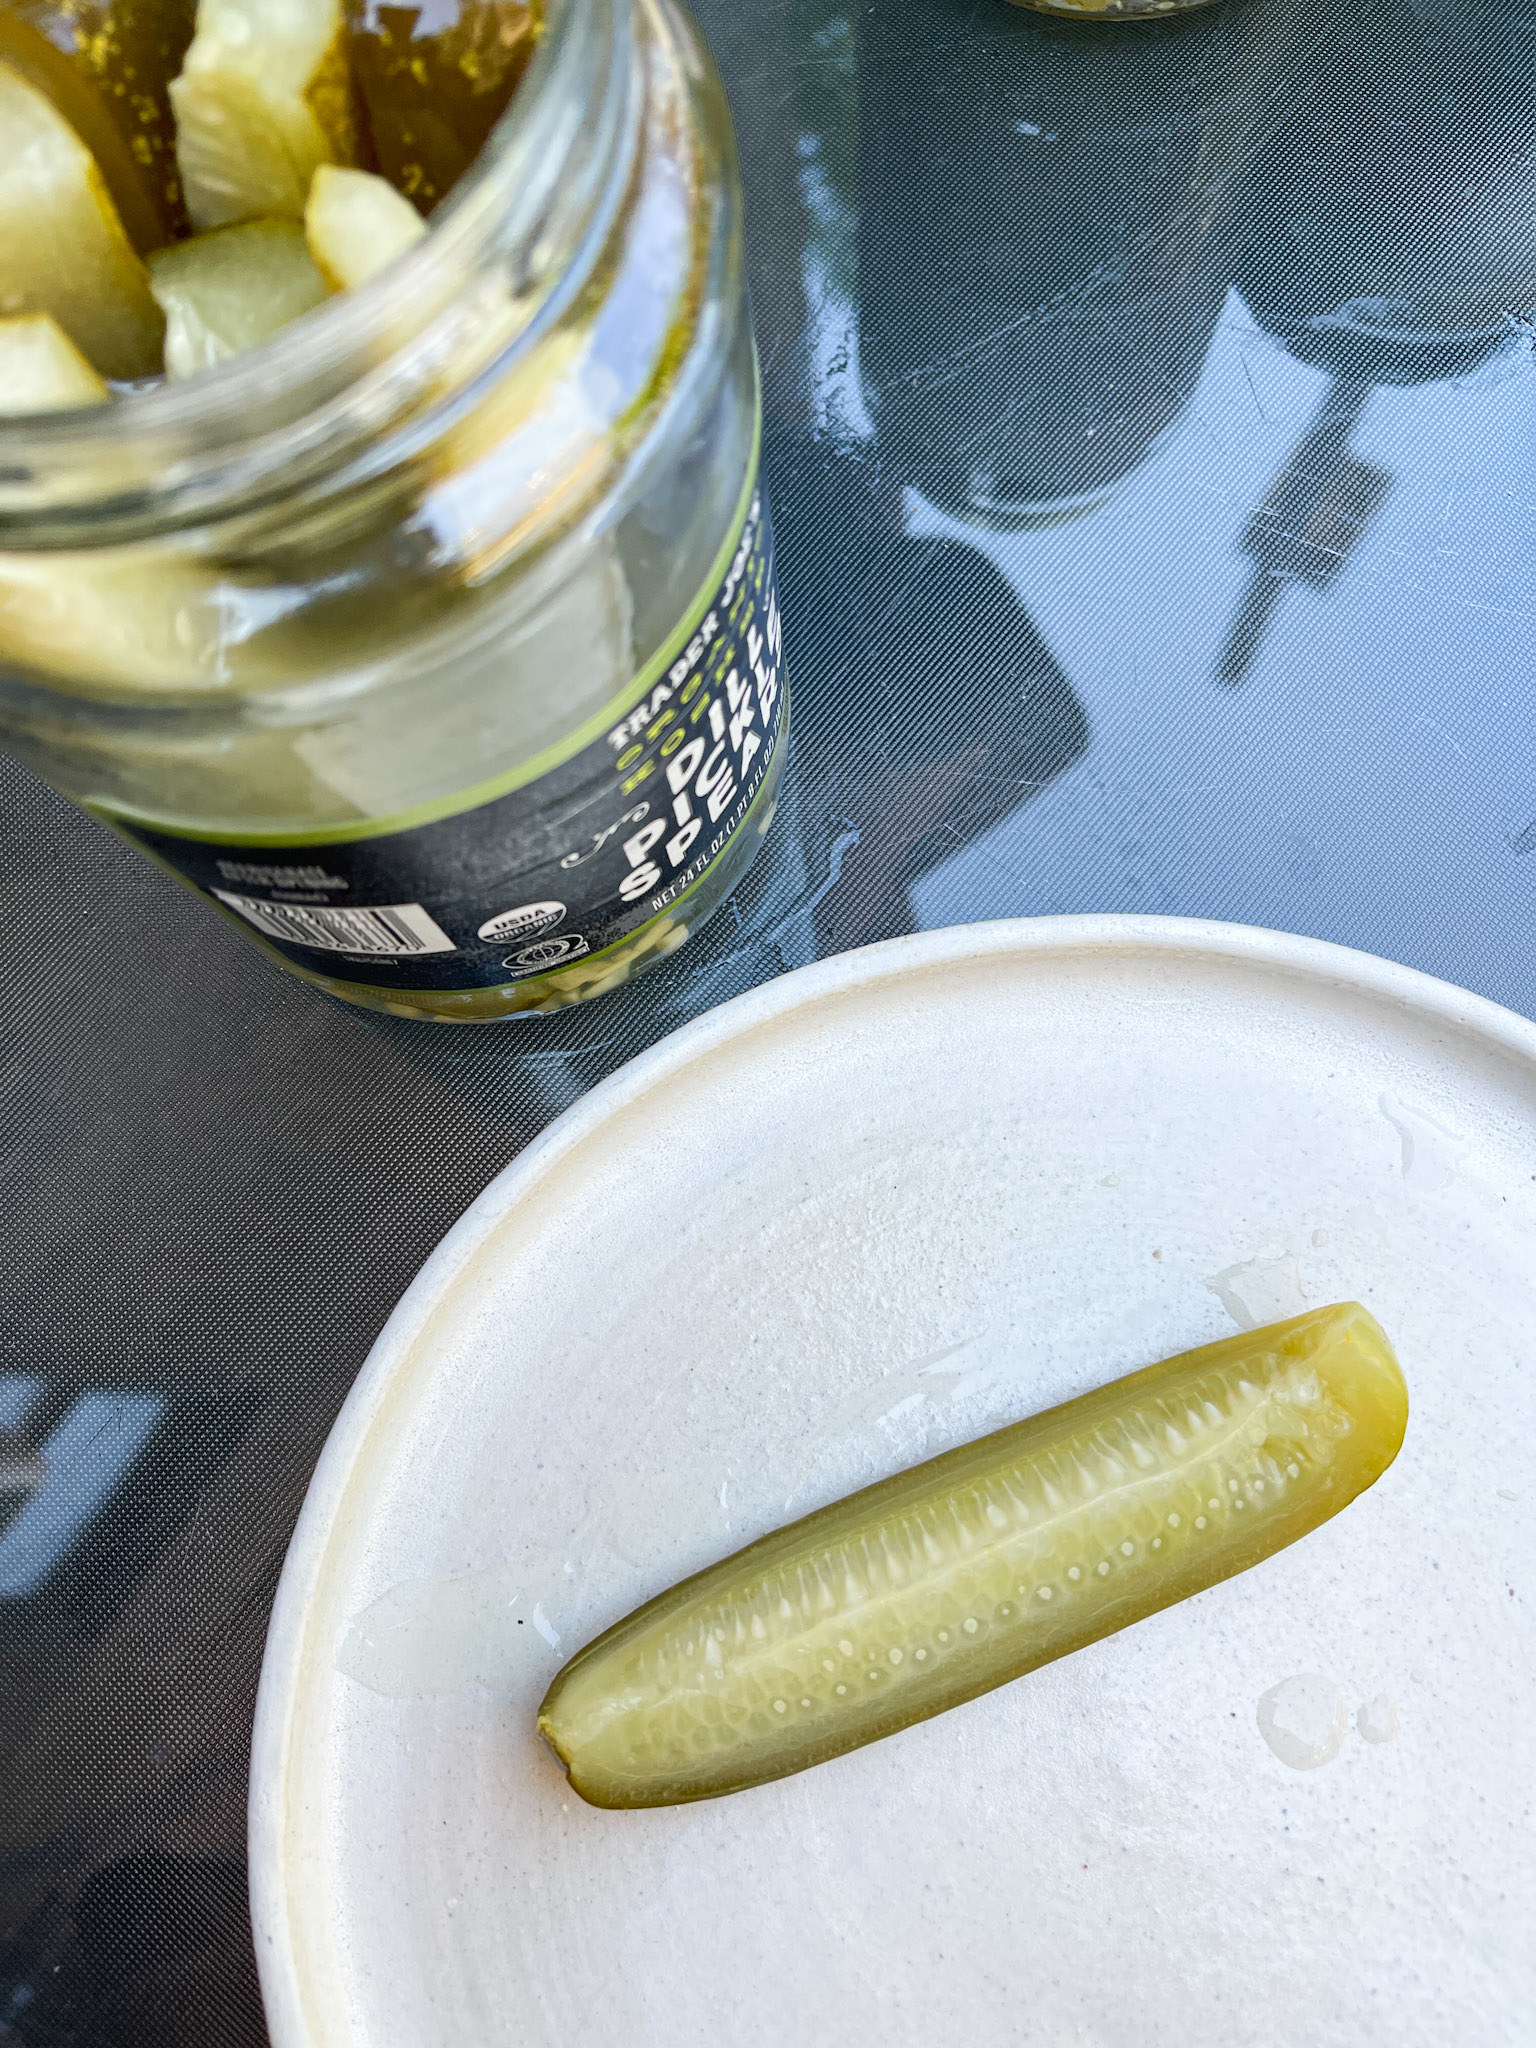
(63,250)
(356,224)
(944,1581)
(41,370)
(232,290)
(264,98)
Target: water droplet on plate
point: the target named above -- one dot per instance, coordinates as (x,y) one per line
(1260,1290)
(1431,1152)
(428,1637)
(1377,1719)
(1304,1720)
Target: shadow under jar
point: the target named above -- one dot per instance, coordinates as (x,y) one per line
(436,640)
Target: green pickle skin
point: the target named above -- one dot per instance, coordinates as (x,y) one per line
(931,1587)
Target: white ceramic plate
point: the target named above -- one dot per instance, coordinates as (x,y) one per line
(864,1213)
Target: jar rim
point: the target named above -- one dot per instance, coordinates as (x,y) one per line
(357,336)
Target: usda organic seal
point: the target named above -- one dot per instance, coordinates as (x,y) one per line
(526,922)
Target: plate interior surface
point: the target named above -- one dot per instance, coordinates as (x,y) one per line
(861,1216)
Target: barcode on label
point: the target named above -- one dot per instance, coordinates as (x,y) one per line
(397,928)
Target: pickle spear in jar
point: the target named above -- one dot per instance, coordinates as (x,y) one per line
(435,80)
(231,290)
(41,370)
(949,1579)
(107,66)
(265,97)
(356,224)
(62,247)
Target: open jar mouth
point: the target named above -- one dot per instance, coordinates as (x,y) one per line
(352,371)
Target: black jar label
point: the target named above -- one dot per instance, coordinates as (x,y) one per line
(549,869)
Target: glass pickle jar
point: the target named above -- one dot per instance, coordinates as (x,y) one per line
(1112,10)
(436,641)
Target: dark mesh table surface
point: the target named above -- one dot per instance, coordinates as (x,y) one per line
(1150,429)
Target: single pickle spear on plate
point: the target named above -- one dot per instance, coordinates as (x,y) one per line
(951,1578)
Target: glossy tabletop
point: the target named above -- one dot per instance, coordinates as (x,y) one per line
(1151,434)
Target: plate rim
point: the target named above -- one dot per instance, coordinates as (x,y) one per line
(915,954)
